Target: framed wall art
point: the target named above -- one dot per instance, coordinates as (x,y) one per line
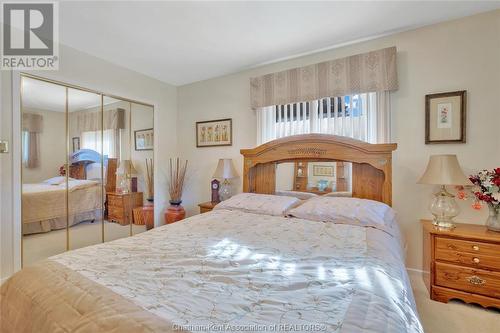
(445,117)
(323,171)
(214,133)
(144,139)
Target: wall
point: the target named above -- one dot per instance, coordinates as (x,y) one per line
(455,55)
(52,147)
(87,71)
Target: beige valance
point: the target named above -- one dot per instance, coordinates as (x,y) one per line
(32,123)
(367,72)
(91,121)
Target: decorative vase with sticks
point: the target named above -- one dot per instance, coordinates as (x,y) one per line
(176,175)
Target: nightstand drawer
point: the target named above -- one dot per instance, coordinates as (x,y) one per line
(490,249)
(471,280)
(469,259)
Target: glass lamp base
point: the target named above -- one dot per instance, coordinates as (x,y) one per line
(225,190)
(443,224)
(444,208)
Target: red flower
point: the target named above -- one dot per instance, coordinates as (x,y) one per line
(497,171)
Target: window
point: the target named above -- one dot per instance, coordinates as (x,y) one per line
(110,144)
(362,116)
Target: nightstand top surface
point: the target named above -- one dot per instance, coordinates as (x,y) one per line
(463,230)
(124,194)
(208,204)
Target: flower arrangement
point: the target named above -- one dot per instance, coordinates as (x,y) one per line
(487,187)
(175,179)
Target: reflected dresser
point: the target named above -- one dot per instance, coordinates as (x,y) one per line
(464,263)
(120,206)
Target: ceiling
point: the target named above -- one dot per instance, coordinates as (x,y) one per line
(52,97)
(184,42)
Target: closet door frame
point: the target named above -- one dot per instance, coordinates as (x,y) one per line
(17,97)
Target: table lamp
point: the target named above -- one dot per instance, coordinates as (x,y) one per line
(127,170)
(225,171)
(444,170)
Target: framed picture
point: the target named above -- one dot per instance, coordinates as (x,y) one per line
(76,143)
(214,133)
(144,139)
(323,171)
(445,117)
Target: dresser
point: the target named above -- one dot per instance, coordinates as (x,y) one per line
(464,263)
(121,205)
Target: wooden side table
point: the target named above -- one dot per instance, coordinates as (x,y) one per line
(464,263)
(120,206)
(207,206)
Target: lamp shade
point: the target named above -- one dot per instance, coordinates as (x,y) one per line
(444,170)
(126,168)
(225,169)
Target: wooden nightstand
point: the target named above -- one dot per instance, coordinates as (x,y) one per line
(120,206)
(464,263)
(207,206)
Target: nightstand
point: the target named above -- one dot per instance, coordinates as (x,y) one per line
(207,206)
(120,206)
(464,263)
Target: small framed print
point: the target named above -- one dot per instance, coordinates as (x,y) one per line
(76,143)
(214,133)
(144,139)
(323,171)
(445,117)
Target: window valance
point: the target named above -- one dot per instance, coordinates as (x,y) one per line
(368,72)
(32,123)
(91,121)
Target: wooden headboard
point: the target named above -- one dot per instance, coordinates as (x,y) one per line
(371,163)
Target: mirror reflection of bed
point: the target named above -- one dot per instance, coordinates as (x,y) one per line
(317,177)
(69,208)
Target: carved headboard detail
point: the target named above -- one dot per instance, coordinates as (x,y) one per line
(371,163)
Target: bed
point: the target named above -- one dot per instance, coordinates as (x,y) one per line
(46,206)
(257,262)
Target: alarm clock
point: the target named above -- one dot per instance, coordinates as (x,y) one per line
(215,184)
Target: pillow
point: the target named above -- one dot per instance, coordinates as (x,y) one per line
(296,194)
(361,212)
(265,204)
(339,194)
(55,180)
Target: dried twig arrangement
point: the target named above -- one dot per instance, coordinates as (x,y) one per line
(176,176)
(150,178)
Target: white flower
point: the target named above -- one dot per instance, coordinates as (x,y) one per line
(496,196)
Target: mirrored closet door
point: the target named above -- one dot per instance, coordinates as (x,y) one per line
(87,168)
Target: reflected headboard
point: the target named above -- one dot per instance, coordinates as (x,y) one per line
(371,163)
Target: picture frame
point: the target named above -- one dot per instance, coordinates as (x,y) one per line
(76,143)
(323,171)
(445,117)
(144,139)
(214,133)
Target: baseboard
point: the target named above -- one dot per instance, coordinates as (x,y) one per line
(4,279)
(416,270)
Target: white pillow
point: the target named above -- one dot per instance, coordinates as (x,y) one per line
(339,194)
(56,180)
(361,212)
(296,194)
(265,204)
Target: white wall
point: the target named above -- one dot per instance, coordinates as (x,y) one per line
(87,71)
(460,54)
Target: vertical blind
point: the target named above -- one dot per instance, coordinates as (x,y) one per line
(364,117)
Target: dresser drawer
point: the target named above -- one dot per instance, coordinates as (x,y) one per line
(443,243)
(471,280)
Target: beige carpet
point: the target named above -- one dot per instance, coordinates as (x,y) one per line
(454,317)
(44,245)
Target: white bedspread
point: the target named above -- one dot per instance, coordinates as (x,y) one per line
(44,202)
(229,270)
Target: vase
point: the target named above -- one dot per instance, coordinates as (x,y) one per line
(175,212)
(493,221)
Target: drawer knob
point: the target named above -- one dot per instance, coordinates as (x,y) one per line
(476,280)
(475,260)
(475,247)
